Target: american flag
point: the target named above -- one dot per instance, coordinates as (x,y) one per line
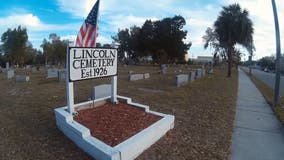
(88,31)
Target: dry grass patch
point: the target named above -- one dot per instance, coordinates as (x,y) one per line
(204,112)
(268,93)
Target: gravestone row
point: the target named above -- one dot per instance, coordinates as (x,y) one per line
(135,77)
(183,79)
(60,74)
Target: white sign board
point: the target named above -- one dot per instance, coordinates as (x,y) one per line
(88,63)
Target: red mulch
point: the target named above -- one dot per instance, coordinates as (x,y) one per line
(114,124)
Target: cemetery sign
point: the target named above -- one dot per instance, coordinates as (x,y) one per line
(89,63)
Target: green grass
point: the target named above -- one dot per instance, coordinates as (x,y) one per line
(204,113)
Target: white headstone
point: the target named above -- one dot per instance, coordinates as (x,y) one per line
(52,73)
(198,73)
(7,66)
(203,72)
(191,76)
(62,75)
(35,69)
(10,73)
(101,91)
(135,77)
(22,78)
(163,68)
(181,80)
(146,75)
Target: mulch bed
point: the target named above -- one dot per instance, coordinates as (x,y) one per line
(114,124)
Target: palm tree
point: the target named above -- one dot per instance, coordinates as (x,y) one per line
(232,27)
(211,40)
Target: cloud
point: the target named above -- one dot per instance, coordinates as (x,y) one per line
(126,21)
(103,39)
(27,20)
(33,23)
(36,29)
(76,8)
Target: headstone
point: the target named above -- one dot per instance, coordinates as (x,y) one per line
(34,69)
(191,76)
(210,71)
(181,80)
(146,75)
(198,73)
(150,90)
(203,72)
(10,73)
(62,75)
(135,77)
(52,73)
(7,66)
(101,91)
(163,68)
(22,78)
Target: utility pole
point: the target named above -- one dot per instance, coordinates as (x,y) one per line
(278,54)
(250,62)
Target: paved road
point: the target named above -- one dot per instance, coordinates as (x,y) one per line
(258,135)
(268,78)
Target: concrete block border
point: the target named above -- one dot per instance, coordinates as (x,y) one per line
(128,149)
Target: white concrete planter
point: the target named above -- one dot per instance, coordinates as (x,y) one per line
(128,149)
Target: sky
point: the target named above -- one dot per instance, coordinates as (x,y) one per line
(64,17)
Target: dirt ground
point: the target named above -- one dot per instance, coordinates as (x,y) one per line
(115,124)
(204,112)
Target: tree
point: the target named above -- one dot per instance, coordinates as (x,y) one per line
(98,45)
(14,45)
(267,62)
(237,55)
(159,38)
(147,43)
(232,27)
(211,40)
(54,49)
(123,38)
(170,38)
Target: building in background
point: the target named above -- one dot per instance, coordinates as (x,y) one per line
(204,59)
(186,56)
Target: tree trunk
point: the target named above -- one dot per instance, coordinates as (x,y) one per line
(229,61)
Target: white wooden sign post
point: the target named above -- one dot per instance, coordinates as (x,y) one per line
(89,63)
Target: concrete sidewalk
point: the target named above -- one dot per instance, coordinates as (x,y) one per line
(258,135)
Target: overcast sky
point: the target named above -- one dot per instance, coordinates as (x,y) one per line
(64,17)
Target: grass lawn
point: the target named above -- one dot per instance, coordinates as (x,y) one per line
(268,93)
(204,112)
